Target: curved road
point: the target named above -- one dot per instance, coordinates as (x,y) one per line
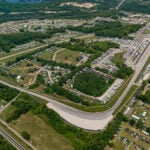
(88,120)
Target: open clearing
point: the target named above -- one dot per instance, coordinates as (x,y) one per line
(47,55)
(43,137)
(118,58)
(68,56)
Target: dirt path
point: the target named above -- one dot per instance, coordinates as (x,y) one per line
(54,56)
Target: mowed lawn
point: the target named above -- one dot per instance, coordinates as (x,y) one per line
(68,56)
(43,137)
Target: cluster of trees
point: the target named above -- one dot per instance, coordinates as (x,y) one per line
(124,71)
(91,83)
(144,97)
(139,125)
(7,93)
(24,104)
(73,13)
(139,6)
(68,76)
(5,73)
(55,88)
(28,55)
(9,41)
(5,145)
(109,29)
(25,135)
(54,63)
(38,82)
(80,45)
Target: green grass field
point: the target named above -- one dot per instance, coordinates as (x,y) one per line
(43,137)
(118,57)
(47,55)
(68,56)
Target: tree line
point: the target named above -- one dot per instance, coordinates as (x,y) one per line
(109,29)
(7,93)
(5,145)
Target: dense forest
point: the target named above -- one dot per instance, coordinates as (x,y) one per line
(123,71)
(7,93)
(9,41)
(38,10)
(91,84)
(139,6)
(109,29)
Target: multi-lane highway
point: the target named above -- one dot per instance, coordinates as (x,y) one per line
(11,140)
(88,120)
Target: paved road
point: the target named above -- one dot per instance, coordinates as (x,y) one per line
(17,134)
(8,104)
(62,108)
(19,53)
(120,4)
(11,140)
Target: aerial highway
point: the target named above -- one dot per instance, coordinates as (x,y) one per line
(19,53)
(88,120)
(11,140)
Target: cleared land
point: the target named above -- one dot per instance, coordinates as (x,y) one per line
(68,56)
(42,135)
(47,55)
(118,58)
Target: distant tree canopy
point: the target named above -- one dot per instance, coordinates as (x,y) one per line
(139,6)
(93,47)
(37,10)
(9,41)
(144,97)
(109,29)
